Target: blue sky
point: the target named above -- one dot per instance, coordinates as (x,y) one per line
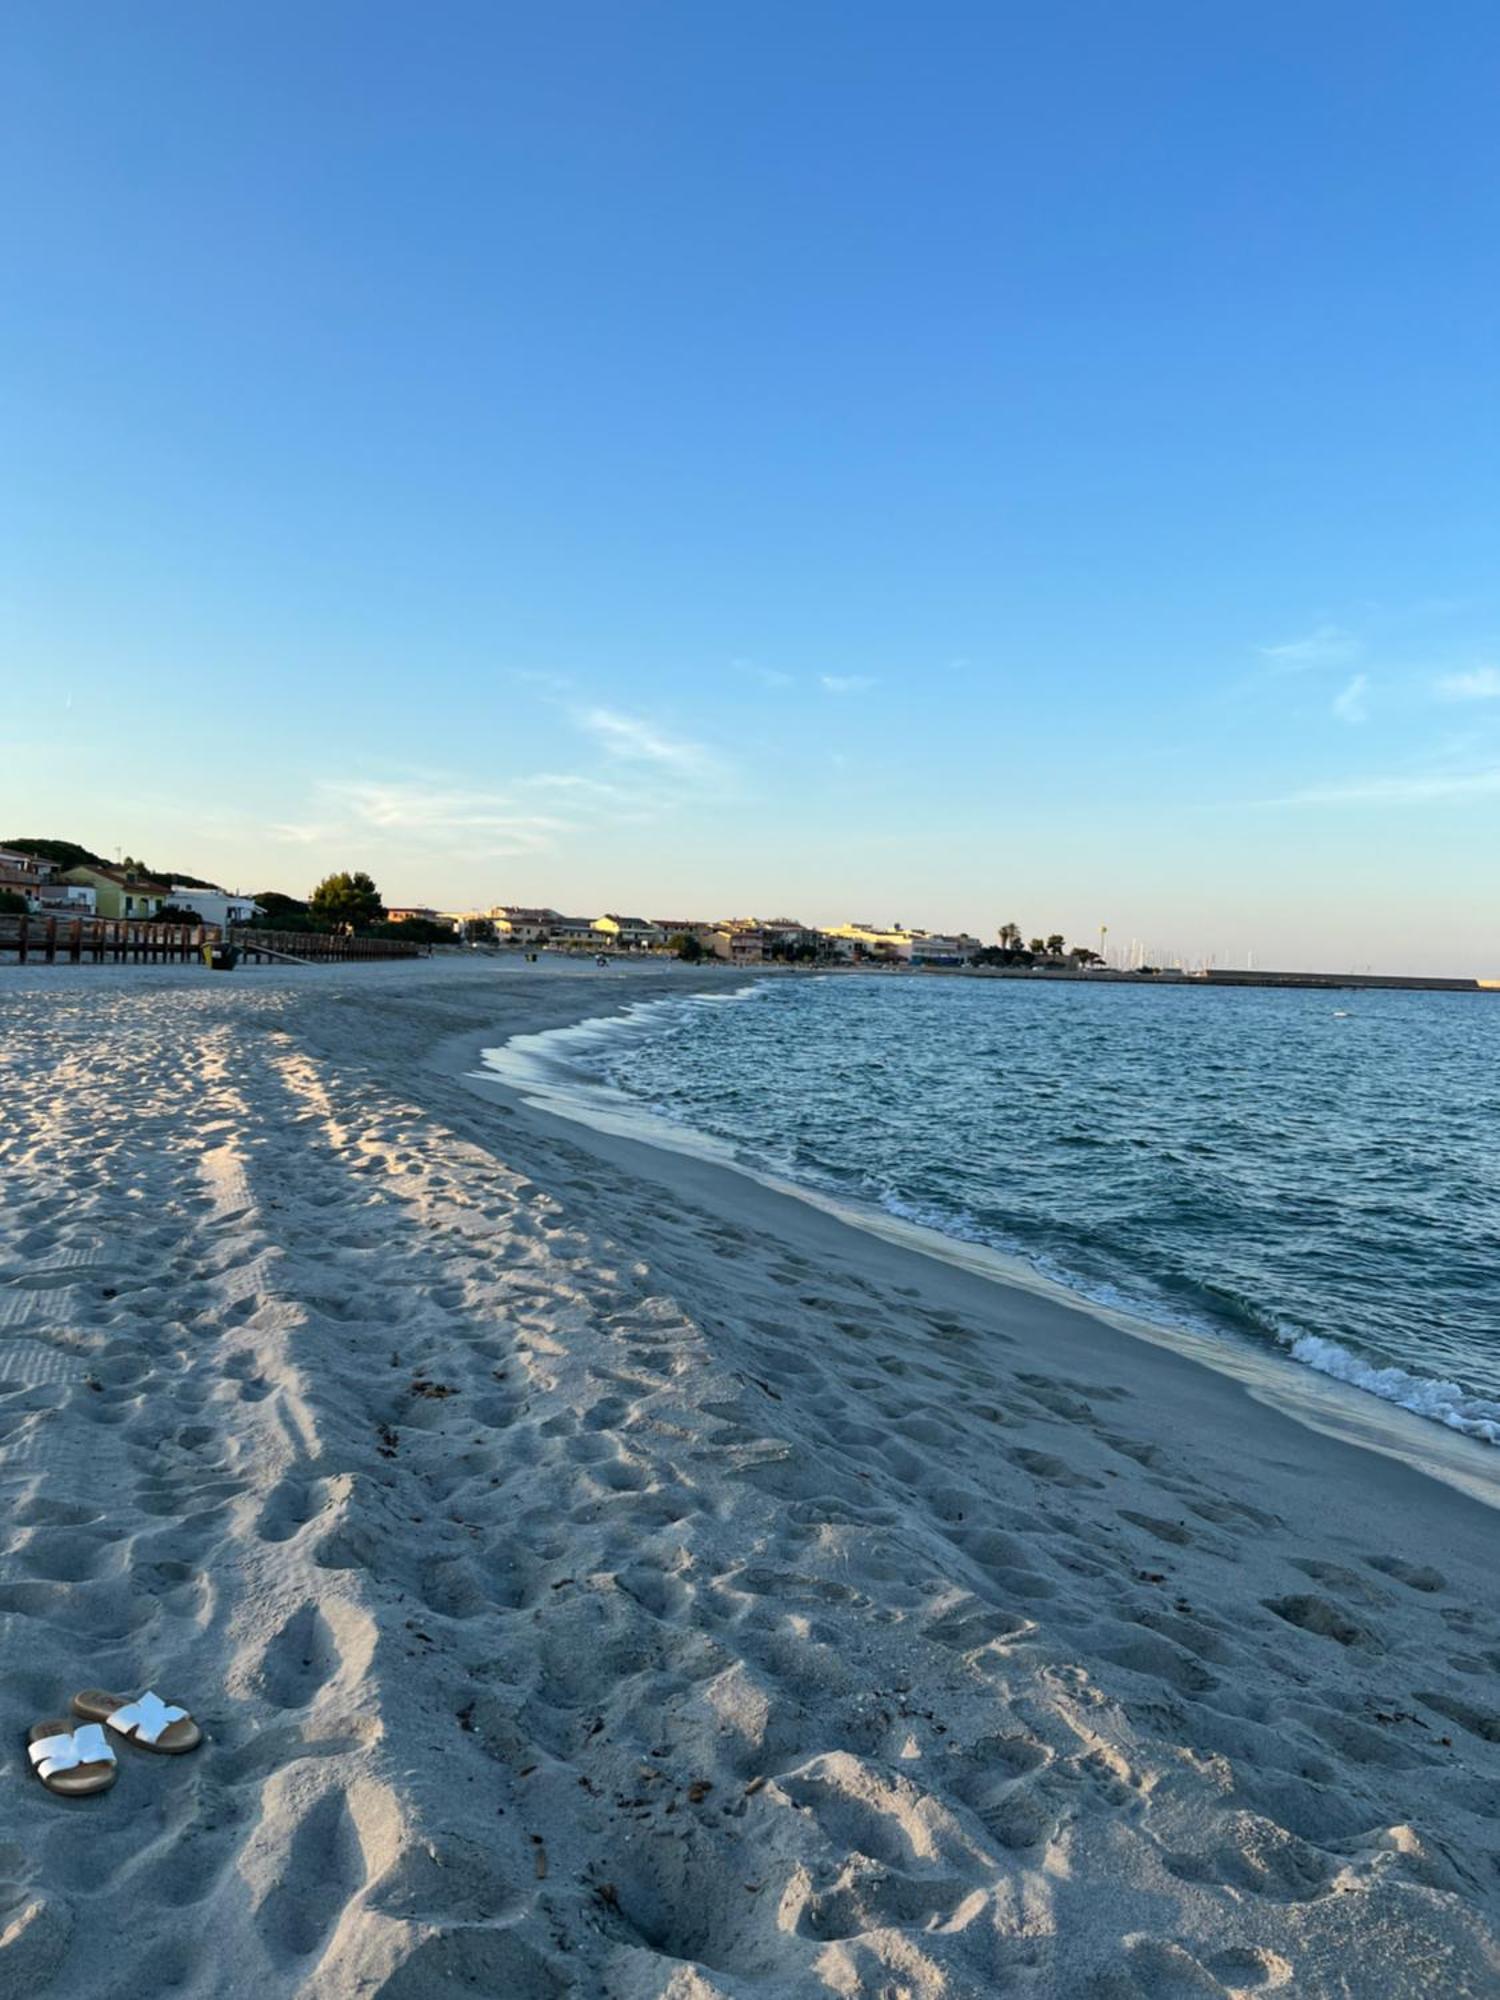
(949,462)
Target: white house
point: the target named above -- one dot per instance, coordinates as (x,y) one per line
(64,899)
(934,948)
(574,930)
(215,906)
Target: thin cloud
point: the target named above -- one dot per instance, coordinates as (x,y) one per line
(1352,702)
(1328,646)
(594,801)
(1410,790)
(1481,684)
(440,812)
(636,741)
(577,784)
(846,683)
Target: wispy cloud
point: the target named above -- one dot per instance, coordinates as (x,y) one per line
(1327,646)
(1480,684)
(637,741)
(1409,789)
(435,811)
(1352,702)
(846,683)
(577,785)
(439,812)
(596,802)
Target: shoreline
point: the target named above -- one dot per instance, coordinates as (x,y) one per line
(1321,1402)
(601,1575)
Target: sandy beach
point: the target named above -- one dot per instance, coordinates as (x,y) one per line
(599,1574)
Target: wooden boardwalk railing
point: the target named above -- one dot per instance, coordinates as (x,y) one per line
(51,940)
(325,947)
(79,940)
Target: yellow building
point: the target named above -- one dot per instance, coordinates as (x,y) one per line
(118,893)
(628,933)
(869,941)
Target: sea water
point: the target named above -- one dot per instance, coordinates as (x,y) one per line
(1315,1172)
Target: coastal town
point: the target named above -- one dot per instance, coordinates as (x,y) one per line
(736,940)
(60,902)
(69,882)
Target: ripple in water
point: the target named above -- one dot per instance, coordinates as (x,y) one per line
(1310,1170)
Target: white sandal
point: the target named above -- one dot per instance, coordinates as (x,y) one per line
(146,1720)
(71,1762)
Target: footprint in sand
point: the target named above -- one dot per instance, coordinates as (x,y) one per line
(301,1659)
(324,1867)
(1416,1576)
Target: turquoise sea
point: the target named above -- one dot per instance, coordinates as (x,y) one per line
(1317,1173)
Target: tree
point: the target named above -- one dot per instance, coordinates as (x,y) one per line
(1038,947)
(1084,956)
(12,904)
(417,930)
(479,930)
(1010,937)
(687,947)
(280,913)
(346,902)
(174,913)
(1055,945)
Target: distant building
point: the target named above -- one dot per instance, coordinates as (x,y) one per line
(26,875)
(787,935)
(628,933)
(215,906)
(755,940)
(29,876)
(739,942)
(573,930)
(118,893)
(870,942)
(935,948)
(63,899)
(521,925)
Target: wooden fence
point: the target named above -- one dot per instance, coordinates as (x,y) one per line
(104,940)
(324,947)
